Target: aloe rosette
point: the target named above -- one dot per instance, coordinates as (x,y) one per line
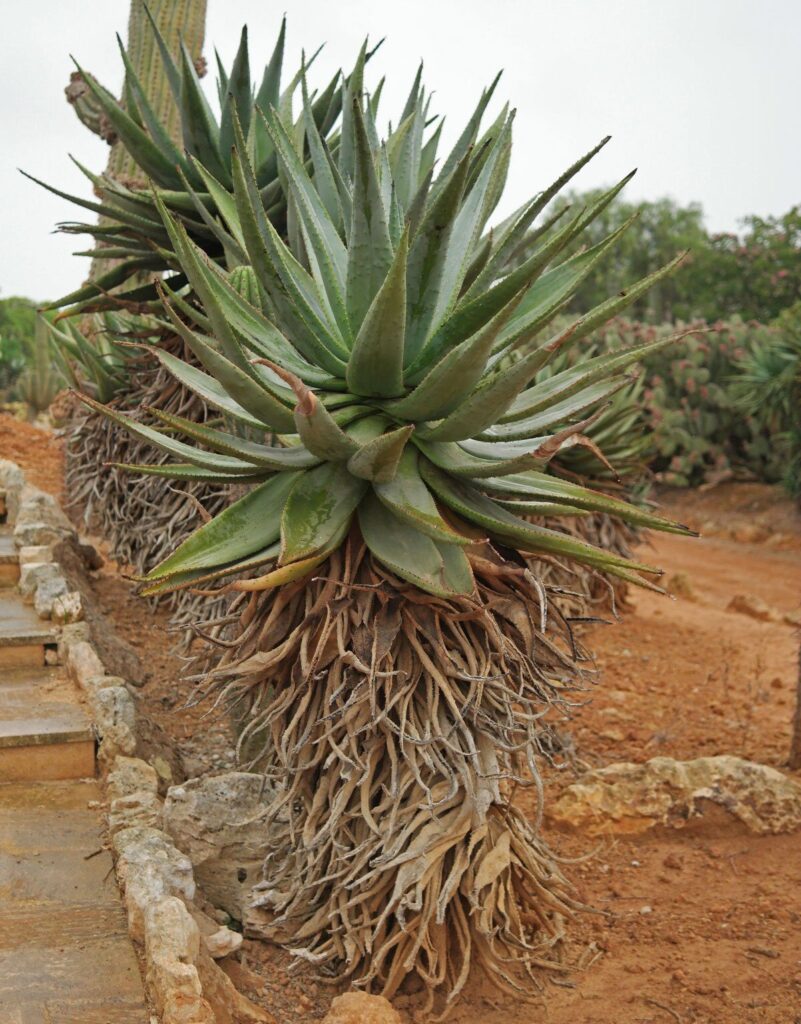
(395,659)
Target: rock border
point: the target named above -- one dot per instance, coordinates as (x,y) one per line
(168,920)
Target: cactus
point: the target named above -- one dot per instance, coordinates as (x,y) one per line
(179,21)
(41,379)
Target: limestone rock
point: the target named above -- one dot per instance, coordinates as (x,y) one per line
(219,822)
(35,553)
(47,593)
(229,1004)
(143,808)
(39,520)
(66,608)
(12,481)
(149,867)
(83,663)
(633,798)
(72,634)
(33,575)
(172,944)
(115,717)
(361,1008)
(754,607)
(131,775)
(222,943)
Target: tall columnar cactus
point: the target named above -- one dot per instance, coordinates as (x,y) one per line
(180,23)
(395,659)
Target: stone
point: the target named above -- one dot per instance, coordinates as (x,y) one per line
(74,633)
(83,663)
(32,575)
(115,718)
(220,823)
(754,607)
(792,619)
(149,867)
(229,1004)
(67,608)
(35,553)
(12,481)
(92,558)
(47,593)
(634,798)
(142,809)
(163,769)
(680,585)
(222,942)
(172,944)
(750,533)
(39,519)
(130,775)
(361,1008)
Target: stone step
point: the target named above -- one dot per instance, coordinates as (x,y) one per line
(23,635)
(44,733)
(9,561)
(65,954)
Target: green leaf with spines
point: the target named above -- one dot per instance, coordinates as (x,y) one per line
(439,568)
(249,525)
(408,498)
(375,366)
(378,460)
(470,503)
(318,510)
(259,455)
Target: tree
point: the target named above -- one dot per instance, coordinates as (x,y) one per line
(755,274)
(662,229)
(17,320)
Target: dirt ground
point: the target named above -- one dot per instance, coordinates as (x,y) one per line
(695,926)
(36,450)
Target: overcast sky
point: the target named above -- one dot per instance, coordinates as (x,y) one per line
(701,95)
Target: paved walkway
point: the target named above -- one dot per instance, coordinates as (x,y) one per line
(65,954)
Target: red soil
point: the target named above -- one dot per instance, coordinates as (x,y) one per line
(37,451)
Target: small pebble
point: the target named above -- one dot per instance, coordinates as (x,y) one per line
(646,910)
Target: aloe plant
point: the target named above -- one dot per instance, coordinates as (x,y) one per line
(394,658)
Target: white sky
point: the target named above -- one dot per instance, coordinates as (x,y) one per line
(701,95)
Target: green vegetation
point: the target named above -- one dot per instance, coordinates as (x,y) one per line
(754,274)
(17,325)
